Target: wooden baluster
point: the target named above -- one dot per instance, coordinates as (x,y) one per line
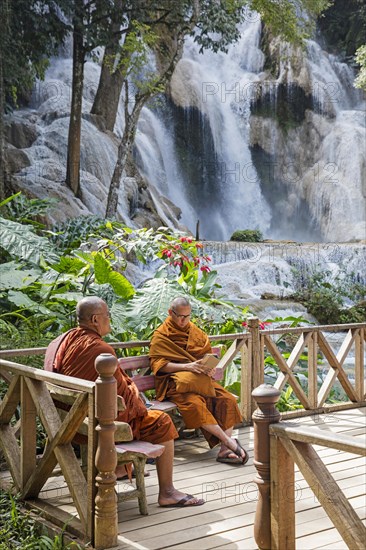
(257,367)
(106,521)
(28,435)
(266,396)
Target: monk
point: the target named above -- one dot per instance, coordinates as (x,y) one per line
(76,355)
(176,352)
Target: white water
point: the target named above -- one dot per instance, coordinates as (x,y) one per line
(321,164)
(246,271)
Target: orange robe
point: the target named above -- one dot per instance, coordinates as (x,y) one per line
(171,343)
(76,356)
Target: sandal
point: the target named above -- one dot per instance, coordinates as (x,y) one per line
(240,461)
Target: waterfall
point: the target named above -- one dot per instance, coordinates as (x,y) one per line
(234,146)
(212,89)
(249,271)
(237,148)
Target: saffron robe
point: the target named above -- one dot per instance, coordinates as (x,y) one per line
(76,356)
(171,343)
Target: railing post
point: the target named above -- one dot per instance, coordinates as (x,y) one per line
(266,397)
(106,521)
(256,365)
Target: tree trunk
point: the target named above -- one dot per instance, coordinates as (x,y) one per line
(4,16)
(124,149)
(73,146)
(109,90)
(2,144)
(111,81)
(131,121)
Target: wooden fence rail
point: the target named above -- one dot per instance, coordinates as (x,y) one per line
(257,346)
(30,388)
(30,392)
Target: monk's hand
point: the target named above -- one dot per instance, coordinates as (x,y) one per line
(201,368)
(212,372)
(196,366)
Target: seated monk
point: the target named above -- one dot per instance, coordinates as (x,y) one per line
(76,356)
(176,352)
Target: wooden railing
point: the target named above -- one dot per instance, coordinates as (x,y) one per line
(30,388)
(277,447)
(91,409)
(31,393)
(254,345)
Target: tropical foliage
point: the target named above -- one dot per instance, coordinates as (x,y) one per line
(20,530)
(45,272)
(360,58)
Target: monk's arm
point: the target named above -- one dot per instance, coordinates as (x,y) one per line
(195,366)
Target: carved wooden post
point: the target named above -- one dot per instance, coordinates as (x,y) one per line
(106,521)
(266,397)
(257,367)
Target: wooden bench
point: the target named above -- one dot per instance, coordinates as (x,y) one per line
(139,370)
(128,450)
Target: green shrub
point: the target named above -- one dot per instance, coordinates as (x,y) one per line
(18,529)
(247,235)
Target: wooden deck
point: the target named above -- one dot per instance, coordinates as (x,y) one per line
(226,520)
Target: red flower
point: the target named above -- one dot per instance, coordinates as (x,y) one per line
(205,268)
(199,245)
(183,239)
(189,239)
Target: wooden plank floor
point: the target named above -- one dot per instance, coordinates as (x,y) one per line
(226,520)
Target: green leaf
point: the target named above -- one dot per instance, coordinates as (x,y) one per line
(22,300)
(10,277)
(151,303)
(21,242)
(121,286)
(67,297)
(8,199)
(209,281)
(232,374)
(102,269)
(68,264)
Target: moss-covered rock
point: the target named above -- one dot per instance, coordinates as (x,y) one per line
(247,235)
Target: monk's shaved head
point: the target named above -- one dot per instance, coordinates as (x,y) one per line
(179,301)
(89,306)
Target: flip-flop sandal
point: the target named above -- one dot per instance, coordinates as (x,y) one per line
(227,459)
(238,453)
(240,461)
(182,503)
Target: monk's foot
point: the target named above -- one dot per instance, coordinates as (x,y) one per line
(176,499)
(233,456)
(225,452)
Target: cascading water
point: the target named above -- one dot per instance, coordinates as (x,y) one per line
(210,88)
(234,148)
(284,155)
